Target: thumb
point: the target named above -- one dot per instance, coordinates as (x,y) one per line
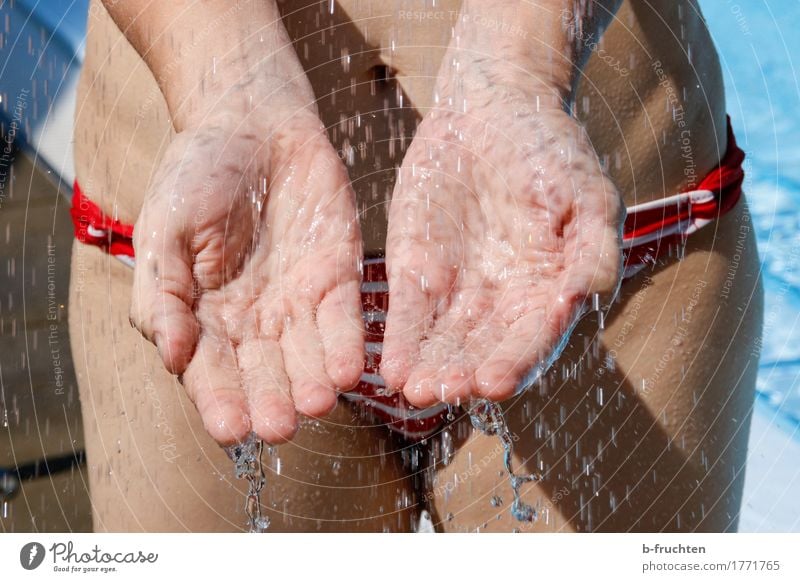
(162,295)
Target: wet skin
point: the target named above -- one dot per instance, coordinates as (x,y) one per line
(117,172)
(256,299)
(248,315)
(248,246)
(502,224)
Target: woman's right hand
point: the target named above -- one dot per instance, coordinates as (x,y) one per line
(247,267)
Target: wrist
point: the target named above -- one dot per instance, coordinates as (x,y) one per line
(259,95)
(204,74)
(510,44)
(530,45)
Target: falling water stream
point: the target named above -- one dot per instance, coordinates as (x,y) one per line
(487,417)
(246,457)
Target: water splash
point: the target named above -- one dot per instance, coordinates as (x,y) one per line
(247,465)
(488,418)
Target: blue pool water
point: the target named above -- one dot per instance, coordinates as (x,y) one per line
(760,49)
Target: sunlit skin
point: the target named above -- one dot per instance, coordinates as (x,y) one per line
(502,223)
(262,320)
(341,471)
(254,298)
(248,247)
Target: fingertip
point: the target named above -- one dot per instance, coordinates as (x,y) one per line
(600,270)
(419,391)
(276,431)
(456,385)
(395,370)
(345,369)
(227,424)
(274,420)
(497,381)
(176,342)
(611,263)
(315,400)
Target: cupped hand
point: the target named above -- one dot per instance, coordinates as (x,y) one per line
(247,271)
(502,226)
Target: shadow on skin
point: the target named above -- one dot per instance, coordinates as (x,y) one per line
(662,459)
(366,112)
(626,464)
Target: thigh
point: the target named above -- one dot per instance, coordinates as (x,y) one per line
(642,427)
(152,467)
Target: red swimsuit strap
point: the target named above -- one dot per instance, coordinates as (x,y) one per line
(725,182)
(652,229)
(93,227)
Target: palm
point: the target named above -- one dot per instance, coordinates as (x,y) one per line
(273,324)
(501,225)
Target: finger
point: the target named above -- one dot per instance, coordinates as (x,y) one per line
(162,299)
(266,384)
(341,328)
(446,373)
(457,344)
(528,343)
(212,382)
(313,391)
(422,269)
(452,383)
(597,267)
(409,318)
(419,389)
(596,254)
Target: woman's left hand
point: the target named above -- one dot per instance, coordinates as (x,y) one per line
(502,225)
